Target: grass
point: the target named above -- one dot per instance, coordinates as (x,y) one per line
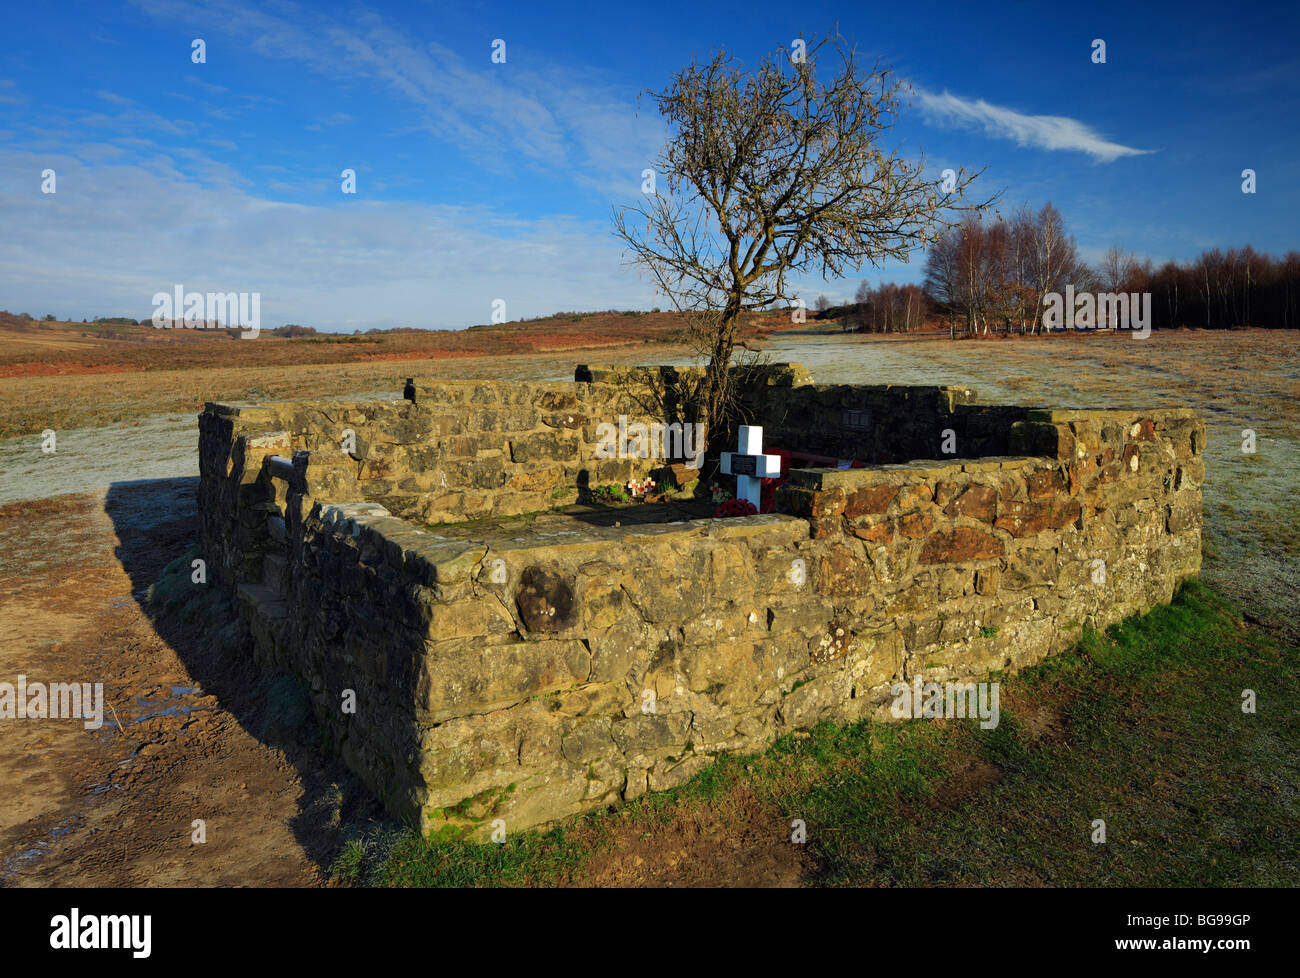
(610,493)
(1140,727)
(175,590)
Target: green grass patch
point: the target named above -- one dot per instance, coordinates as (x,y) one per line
(610,493)
(177,593)
(175,584)
(1141,727)
(527,859)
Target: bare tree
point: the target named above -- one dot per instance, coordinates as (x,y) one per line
(769,174)
(1117,268)
(862,307)
(1022,266)
(970,260)
(1054,257)
(942,278)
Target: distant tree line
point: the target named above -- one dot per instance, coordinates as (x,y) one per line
(1222,290)
(888,308)
(992,275)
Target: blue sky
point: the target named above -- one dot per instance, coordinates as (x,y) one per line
(479,181)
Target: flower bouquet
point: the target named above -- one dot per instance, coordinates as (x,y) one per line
(734,507)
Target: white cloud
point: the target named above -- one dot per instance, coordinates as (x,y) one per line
(114,235)
(1051,132)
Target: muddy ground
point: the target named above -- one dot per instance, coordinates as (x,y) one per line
(183,737)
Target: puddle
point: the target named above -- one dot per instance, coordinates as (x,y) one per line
(24,860)
(59,831)
(148,708)
(168,706)
(36,852)
(179,710)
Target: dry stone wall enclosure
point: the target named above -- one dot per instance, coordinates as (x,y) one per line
(527,675)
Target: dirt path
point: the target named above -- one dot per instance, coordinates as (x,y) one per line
(116,806)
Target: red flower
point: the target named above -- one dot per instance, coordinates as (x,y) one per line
(734,507)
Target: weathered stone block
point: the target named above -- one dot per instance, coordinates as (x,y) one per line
(1022,519)
(588,739)
(842,570)
(668,774)
(546,599)
(975,501)
(465,619)
(457,678)
(876,656)
(813,701)
(881,532)
(913,526)
(651,732)
(544,446)
(959,545)
(869,500)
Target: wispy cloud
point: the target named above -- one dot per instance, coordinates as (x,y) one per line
(132,117)
(9,94)
(206,86)
(556,117)
(1051,132)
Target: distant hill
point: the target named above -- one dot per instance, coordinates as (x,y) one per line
(30,347)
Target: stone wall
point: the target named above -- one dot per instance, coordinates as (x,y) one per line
(462,450)
(529,678)
(870,423)
(1104,524)
(882,424)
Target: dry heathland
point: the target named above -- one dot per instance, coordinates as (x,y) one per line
(72,375)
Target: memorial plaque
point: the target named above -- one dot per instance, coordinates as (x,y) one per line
(744,464)
(856,420)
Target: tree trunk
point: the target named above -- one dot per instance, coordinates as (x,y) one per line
(717,379)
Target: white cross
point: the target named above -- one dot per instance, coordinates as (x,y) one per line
(749,465)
